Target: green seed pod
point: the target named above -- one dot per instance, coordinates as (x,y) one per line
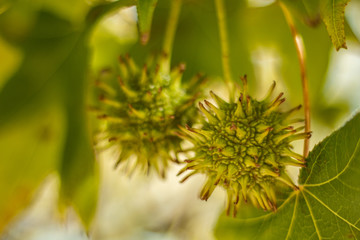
(244,147)
(143,110)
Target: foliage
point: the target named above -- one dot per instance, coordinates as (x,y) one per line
(326,204)
(45,77)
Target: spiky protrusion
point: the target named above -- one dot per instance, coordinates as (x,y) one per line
(244,147)
(143,109)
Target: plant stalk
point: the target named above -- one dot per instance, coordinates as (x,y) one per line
(170,32)
(300,50)
(221,17)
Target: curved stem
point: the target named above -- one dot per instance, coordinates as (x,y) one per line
(300,50)
(170,31)
(221,17)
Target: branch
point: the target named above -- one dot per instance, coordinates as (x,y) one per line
(170,31)
(300,50)
(221,17)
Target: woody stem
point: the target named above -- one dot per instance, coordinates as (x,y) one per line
(221,17)
(300,50)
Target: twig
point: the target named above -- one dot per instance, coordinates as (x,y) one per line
(221,17)
(300,50)
(170,31)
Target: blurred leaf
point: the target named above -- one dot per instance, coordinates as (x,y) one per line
(145,9)
(327,204)
(250,33)
(332,13)
(308,11)
(272,39)
(333,16)
(9,62)
(98,11)
(350,35)
(55,57)
(31,145)
(53,70)
(77,166)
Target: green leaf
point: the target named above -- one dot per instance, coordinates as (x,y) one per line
(43,123)
(327,204)
(308,11)
(333,16)
(31,145)
(145,9)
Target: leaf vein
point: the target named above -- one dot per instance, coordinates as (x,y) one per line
(312,216)
(293,217)
(342,171)
(327,207)
(255,219)
(316,159)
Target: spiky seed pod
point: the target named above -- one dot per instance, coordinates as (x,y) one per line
(244,147)
(143,109)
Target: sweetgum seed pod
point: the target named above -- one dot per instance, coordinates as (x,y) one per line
(142,108)
(248,148)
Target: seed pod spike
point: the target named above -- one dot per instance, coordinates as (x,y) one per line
(258,198)
(239,112)
(229,202)
(132,65)
(188,166)
(245,84)
(278,139)
(124,71)
(110,118)
(110,102)
(105,87)
(267,171)
(187,176)
(299,128)
(190,131)
(269,191)
(184,136)
(208,115)
(124,155)
(207,190)
(292,111)
(292,154)
(244,182)
(266,201)
(125,89)
(277,99)
(274,105)
(220,114)
(221,171)
(144,75)
(300,136)
(219,101)
(291,162)
(137,113)
(260,138)
(270,92)
(249,109)
(283,177)
(177,73)
(205,133)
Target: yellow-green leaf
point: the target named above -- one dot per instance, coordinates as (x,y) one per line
(332,12)
(43,125)
(30,149)
(327,204)
(145,9)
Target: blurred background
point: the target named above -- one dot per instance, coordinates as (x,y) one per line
(53,185)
